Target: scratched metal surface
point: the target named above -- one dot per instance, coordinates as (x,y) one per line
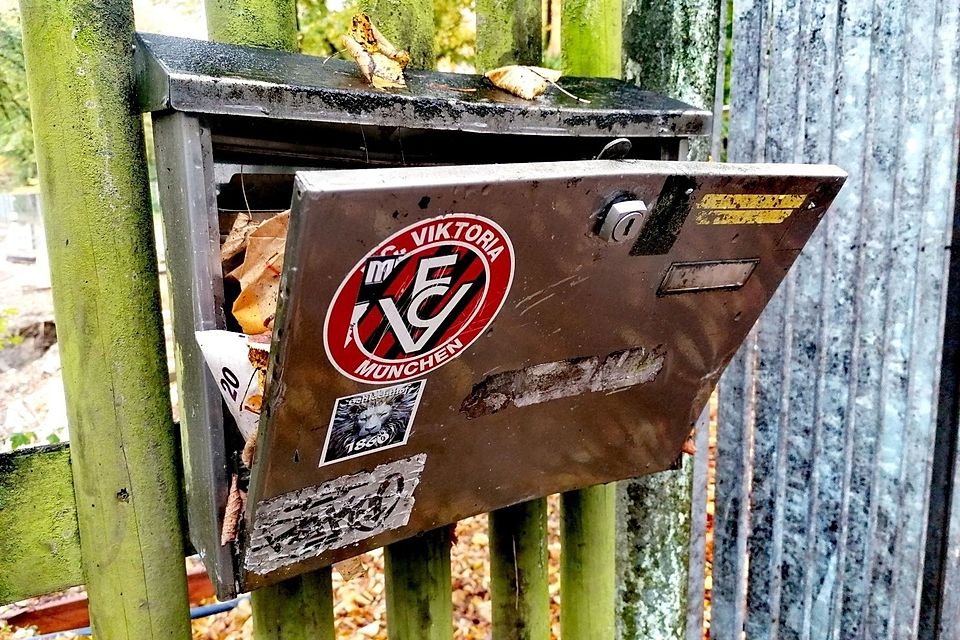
(478,459)
(827,414)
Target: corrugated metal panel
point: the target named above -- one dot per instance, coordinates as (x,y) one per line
(940,598)
(827,415)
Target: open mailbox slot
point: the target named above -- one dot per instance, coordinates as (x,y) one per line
(449,339)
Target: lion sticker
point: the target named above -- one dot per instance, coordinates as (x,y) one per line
(371,421)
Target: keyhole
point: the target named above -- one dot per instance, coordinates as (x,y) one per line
(624,227)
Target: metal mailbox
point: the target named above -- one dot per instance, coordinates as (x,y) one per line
(482,314)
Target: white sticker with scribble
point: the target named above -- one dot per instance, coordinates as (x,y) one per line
(304,524)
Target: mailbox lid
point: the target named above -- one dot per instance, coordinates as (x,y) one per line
(202,77)
(470,326)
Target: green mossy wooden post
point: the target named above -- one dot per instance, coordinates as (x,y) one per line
(672,47)
(40,545)
(419,602)
(591,37)
(508,32)
(653,543)
(257,23)
(587,576)
(300,608)
(406,23)
(518,572)
(417,571)
(99,227)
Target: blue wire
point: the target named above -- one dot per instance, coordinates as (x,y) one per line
(195,613)
(216,607)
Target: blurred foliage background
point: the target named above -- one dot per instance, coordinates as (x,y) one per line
(17,166)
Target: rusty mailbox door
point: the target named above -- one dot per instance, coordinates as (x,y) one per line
(231,127)
(455,340)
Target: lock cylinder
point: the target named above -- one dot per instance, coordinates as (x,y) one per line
(623,220)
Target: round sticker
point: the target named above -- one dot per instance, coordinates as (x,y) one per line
(419,299)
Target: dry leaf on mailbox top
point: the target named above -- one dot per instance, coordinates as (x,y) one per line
(524,81)
(259,275)
(380,62)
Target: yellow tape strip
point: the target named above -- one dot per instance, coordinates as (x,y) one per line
(750,201)
(743,216)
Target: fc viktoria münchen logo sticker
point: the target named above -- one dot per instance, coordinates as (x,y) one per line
(419,299)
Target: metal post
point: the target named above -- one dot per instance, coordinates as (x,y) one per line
(508,32)
(591,37)
(302,607)
(419,605)
(257,23)
(96,205)
(518,572)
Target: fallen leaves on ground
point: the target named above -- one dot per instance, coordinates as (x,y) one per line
(711,508)
(236,624)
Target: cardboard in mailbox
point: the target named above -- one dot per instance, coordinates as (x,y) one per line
(454,340)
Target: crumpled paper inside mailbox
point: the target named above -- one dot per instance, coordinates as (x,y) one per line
(455,340)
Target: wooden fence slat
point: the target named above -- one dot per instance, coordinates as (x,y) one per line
(300,608)
(518,572)
(591,37)
(99,228)
(40,546)
(419,603)
(508,32)
(417,571)
(408,24)
(587,541)
(257,23)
